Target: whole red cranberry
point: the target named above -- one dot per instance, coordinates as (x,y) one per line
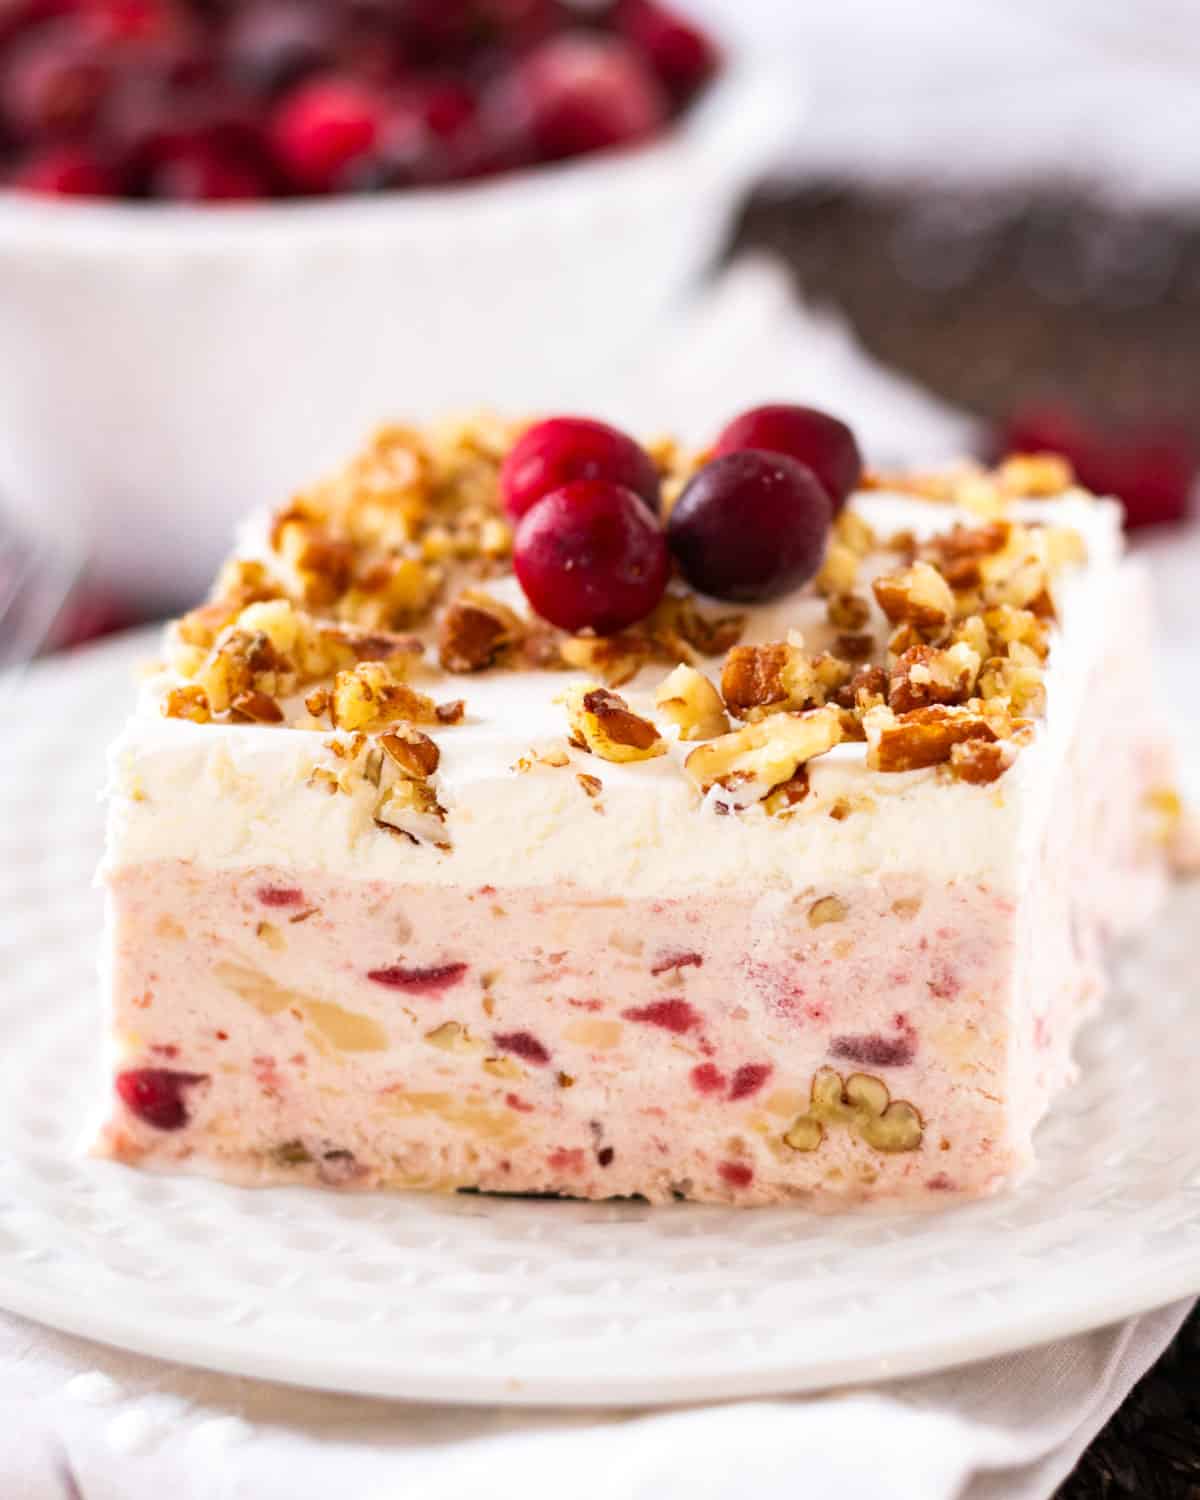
(554,452)
(67,172)
(272,45)
(577,93)
(591,556)
(326,129)
(810,436)
(750,525)
(199,171)
(53,83)
(156,1095)
(682,55)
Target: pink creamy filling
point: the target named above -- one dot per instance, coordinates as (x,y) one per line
(529,1040)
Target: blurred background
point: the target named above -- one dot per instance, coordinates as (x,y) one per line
(237,233)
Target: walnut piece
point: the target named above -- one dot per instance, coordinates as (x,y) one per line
(688,699)
(765,754)
(603,723)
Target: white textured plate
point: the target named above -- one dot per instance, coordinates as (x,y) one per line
(473,1299)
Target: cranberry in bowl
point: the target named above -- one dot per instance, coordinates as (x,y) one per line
(215,299)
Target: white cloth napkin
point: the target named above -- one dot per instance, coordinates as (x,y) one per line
(127,1428)
(79,1420)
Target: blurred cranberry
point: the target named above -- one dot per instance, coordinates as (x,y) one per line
(53,82)
(683,56)
(275,43)
(17,16)
(1152,467)
(66,171)
(578,93)
(326,130)
(430,135)
(91,611)
(200,171)
(132,20)
(441,31)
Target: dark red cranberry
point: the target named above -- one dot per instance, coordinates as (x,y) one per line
(156,1095)
(326,129)
(200,171)
(426,981)
(672,1015)
(875,1051)
(736,1173)
(560,449)
(749,526)
(591,556)
(280,895)
(53,83)
(683,56)
(748,1079)
(1150,466)
(126,21)
(677,961)
(68,172)
(578,93)
(522,1045)
(274,44)
(811,437)
(707,1078)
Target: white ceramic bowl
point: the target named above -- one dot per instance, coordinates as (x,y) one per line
(162,369)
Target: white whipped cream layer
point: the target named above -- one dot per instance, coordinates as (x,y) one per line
(231,796)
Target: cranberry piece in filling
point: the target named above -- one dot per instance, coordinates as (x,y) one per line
(672,1015)
(522,1045)
(156,1095)
(425,981)
(736,1173)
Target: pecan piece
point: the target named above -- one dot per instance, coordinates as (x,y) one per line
(921,738)
(917,596)
(475,630)
(765,754)
(605,724)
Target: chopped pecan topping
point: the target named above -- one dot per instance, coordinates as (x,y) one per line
(258,708)
(857,646)
(981,761)
(921,738)
(606,725)
(412,753)
(839,571)
(475,630)
(924,675)
(411,808)
(917,596)
(187,702)
(689,700)
(369,696)
(848,611)
(614,658)
(866,689)
(763,755)
(761,680)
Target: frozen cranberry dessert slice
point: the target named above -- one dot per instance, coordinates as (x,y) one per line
(458,843)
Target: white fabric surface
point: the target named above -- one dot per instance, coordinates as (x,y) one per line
(128,1428)
(121,1427)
